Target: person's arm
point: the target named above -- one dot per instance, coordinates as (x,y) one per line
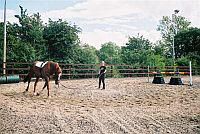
(99,70)
(105,71)
(99,73)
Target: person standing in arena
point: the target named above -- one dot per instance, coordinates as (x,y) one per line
(101,74)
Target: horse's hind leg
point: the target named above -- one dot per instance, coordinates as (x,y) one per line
(42,88)
(44,85)
(36,81)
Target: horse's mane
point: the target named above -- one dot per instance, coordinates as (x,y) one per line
(59,70)
(57,67)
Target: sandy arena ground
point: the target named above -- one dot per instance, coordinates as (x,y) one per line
(126,106)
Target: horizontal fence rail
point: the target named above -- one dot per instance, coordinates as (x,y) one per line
(71,71)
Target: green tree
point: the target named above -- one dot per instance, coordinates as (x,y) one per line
(85,55)
(155,60)
(137,51)
(187,44)
(168,28)
(21,52)
(183,61)
(110,53)
(30,30)
(89,55)
(62,40)
(17,50)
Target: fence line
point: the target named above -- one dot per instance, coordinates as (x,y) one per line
(113,70)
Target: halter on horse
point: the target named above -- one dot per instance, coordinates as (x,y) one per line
(45,72)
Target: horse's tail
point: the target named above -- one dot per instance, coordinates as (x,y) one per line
(28,77)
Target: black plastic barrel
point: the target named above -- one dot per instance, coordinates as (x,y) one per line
(175,81)
(158,80)
(3,80)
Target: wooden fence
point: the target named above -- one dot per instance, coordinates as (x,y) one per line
(71,71)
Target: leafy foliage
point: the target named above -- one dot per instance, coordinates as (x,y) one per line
(110,53)
(168,27)
(30,30)
(61,39)
(187,41)
(187,44)
(31,40)
(136,51)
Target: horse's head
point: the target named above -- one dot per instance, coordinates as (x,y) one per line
(58,74)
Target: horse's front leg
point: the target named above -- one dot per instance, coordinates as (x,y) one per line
(36,81)
(44,85)
(28,85)
(47,84)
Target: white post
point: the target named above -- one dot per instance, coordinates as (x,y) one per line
(148,73)
(4,48)
(190,73)
(174,33)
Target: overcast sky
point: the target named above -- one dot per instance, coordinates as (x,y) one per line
(108,20)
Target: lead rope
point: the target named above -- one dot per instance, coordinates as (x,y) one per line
(62,85)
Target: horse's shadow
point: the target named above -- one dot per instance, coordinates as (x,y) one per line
(24,95)
(13,94)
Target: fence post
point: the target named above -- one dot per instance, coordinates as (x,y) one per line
(13,67)
(92,71)
(190,73)
(148,73)
(69,71)
(111,71)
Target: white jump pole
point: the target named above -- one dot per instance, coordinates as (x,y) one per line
(190,73)
(4,46)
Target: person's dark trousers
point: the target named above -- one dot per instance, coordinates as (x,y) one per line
(102,79)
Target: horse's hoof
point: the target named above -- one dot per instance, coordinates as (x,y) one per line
(37,94)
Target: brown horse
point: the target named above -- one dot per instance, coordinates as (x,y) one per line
(44,71)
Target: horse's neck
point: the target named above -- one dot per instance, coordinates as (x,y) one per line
(52,67)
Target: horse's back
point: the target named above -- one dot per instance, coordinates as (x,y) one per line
(49,67)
